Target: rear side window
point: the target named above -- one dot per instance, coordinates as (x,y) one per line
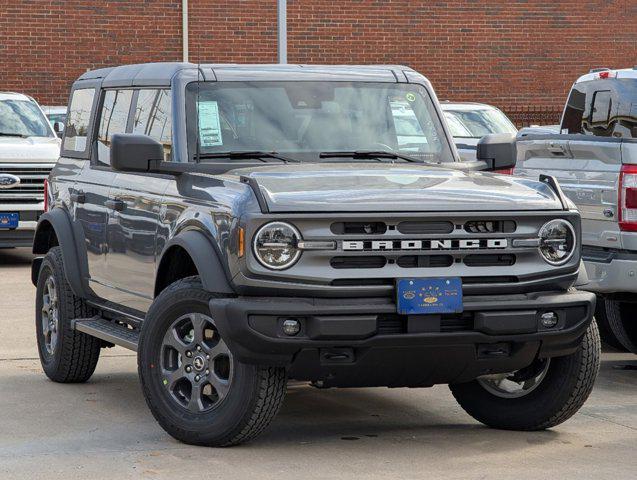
(598,115)
(601,107)
(153,117)
(77,123)
(574,111)
(113,119)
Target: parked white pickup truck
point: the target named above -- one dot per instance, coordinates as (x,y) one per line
(594,157)
(28,150)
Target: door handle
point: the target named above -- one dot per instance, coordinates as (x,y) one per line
(78,197)
(115,204)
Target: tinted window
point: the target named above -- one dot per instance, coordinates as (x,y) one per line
(114,117)
(153,117)
(78,120)
(601,107)
(624,113)
(574,110)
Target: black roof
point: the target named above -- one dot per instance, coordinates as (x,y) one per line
(159,74)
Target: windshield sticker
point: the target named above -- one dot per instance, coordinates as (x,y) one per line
(410,97)
(209,124)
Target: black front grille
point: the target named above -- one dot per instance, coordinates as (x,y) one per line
(394,324)
(425,227)
(391,324)
(424,261)
(499,279)
(489,260)
(362,282)
(457,322)
(358,228)
(358,262)
(490,226)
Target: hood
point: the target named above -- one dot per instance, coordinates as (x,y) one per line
(29,150)
(356,187)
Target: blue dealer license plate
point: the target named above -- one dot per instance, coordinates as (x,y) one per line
(420,296)
(9,220)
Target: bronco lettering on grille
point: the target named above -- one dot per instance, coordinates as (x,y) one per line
(447,244)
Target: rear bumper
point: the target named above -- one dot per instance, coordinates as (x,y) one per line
(363,342)
(614,272)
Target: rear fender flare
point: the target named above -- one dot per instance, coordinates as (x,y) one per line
(59,220)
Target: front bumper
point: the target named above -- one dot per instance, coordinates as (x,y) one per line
(363,342)
(22,236)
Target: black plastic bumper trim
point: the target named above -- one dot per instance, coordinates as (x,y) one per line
(250,346)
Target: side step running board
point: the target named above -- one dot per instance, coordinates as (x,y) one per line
(109,331)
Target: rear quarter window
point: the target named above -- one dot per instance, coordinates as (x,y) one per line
(78,120)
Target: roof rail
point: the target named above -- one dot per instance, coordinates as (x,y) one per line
(595,70)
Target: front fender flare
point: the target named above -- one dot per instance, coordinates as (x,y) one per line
(59,220)
(206,259)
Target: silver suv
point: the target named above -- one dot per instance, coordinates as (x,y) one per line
(242,225)
(594,159)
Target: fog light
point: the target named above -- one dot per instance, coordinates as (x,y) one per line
(291,327)
(549,319)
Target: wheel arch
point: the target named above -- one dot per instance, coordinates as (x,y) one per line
(195,247)
(54,228)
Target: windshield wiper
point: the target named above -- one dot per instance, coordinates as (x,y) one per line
(244,154)
(9,134)
(371,154)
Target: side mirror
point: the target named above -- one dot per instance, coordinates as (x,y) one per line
(135,153)
(58,128)
(498,151)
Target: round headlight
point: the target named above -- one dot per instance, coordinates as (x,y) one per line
(557,241)
(276,245)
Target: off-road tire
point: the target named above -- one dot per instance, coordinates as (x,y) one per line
(255,396)
(76,354)
(622,320)
(566,386)
(605,331)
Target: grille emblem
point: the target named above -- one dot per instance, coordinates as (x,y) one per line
(8,181)
(446,244)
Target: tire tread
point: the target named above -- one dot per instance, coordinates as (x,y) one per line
(270,382)
(79,352)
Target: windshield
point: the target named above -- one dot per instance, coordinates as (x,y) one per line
(304,119)
(23,118)
(481,122)
(456,127)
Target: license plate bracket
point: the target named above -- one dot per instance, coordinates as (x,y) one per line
(9,220)
(422,296)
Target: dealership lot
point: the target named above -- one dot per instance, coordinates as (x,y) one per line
(103,429)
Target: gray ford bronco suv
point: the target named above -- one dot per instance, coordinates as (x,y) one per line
(242,225)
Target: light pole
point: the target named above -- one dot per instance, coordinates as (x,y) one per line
(184,29)
(282,31)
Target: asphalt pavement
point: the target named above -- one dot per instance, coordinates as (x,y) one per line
(103,430)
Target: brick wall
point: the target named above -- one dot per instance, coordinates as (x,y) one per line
(521,55)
